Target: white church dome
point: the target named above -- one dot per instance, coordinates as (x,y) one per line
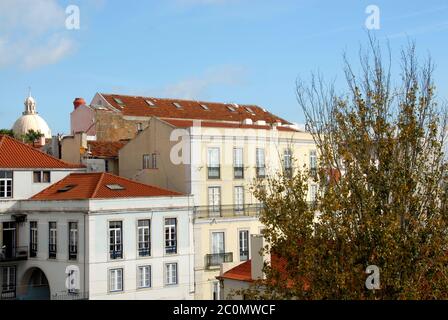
(30,120)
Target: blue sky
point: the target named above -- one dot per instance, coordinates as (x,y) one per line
(243,51)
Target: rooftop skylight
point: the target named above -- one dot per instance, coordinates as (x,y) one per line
(67,188)
(115,186)
(177,105)
(119,101)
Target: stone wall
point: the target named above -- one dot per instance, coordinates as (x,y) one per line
(111,126)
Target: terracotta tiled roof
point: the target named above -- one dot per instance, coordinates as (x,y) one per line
(79,186)
(165,108)
(15,154)
(189,123)
(105,149)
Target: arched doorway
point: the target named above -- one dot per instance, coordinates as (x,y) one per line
(35,285)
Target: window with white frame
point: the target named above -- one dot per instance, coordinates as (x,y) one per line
(8,284)
(6,184)
(171,274)
(313,193)
(216,290)
(41,176)
(33,239)
(144,277)
(213,163)
(154,161)
(146,161)
(260,163)
(73,240)
(52,240)
(313,161)
(287,162)
(144,237)
(238,166)
(115,240)
(171,236)
(238,196)
(214,201)
(116,280)
(244,244)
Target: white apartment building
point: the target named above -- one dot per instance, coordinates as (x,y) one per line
(99,236)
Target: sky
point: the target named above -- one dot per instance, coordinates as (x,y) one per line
(236,51)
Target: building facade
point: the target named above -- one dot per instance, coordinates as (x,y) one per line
(99,236)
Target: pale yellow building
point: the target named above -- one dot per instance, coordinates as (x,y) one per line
(217,162)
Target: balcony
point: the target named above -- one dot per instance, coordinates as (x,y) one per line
(116,254)
(14,254)
(227,211)
(214,172)
(238,172)
(261,172)
(244,255)
(288,172)
(144,251)
(216,259)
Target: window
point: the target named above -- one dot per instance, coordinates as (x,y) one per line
(154,161)
(139,127)
(238,167)
(313,193)
(41,176)
(8,285)
(177,105)
(33,239)
(144,238)
(313,161)
(214,201)
(73,240)
(146,161)
(5,184)
(239,199)
(213,164)
(244,245)
(171,236)
(218,245)
(171,274)
(150,103)
(287,162)
(115,239)
(119,101)
(52,240)
(205,107)
(116,280)
(144,277)
(106,165)
(261,170)
(216,290)
(231,109)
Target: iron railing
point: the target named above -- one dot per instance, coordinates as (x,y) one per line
(14,254)
(261,172)
(244,255)
(116,254)
(144,251)
(238,172)
(8,294)
(228,211)
(214,172)
(216,259)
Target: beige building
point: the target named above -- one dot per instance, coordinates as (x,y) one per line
(216,162)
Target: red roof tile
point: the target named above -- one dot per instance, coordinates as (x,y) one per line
(105,149)
(16,154)
(165,108)
(95,186)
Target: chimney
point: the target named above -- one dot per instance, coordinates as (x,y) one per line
(259,257)
(79,102)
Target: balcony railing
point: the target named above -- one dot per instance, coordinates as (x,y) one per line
(14,254)
(73,252)
(261,172)
(244,255)
(214,172)
(228,211)
(144,251)
(8,294)
(116,254)
(52,251)
(238,172)
(216,259)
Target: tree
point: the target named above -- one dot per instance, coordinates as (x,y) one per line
(382,189)
(7,132)
(32,136)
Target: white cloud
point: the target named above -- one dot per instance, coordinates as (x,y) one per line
(196,87)
(32,33)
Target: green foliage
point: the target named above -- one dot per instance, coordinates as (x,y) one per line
(389,206)
(7,132)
